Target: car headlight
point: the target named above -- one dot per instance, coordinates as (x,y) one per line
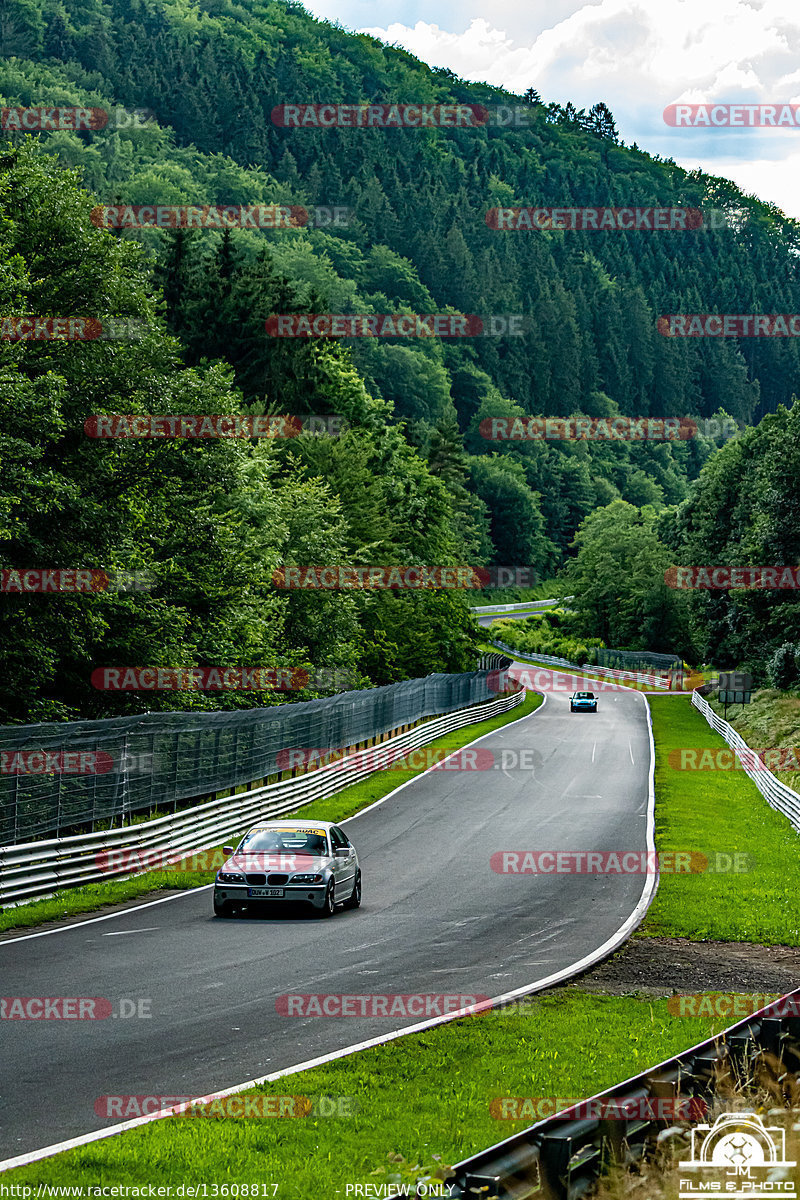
(229,877)
(307,879)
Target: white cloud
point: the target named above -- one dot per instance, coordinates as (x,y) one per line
(639,58)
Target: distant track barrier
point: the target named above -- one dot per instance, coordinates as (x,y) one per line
(630,676)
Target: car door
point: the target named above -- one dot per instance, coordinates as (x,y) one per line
(344,869)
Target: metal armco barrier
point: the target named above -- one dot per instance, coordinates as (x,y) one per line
(656,681)
(519,656)
(38,869)
(489,610)
(562,1158)
(776,794)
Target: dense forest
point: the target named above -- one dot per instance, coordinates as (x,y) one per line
(412,479)
(743,512)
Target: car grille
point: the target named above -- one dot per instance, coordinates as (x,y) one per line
(273,879)
(256,880)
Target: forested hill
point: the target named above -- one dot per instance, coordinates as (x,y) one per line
(211,74)
(214,72)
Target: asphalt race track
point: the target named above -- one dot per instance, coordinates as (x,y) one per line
(435,919)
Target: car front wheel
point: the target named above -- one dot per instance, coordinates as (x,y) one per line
(329,905)
(222,910)
(355,899)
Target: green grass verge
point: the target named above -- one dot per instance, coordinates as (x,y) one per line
(426,1095)
(719,813)
(93,897)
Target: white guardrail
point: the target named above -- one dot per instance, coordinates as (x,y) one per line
(656,681)
(489,610)
(539,658)
(35,870)
(778,795)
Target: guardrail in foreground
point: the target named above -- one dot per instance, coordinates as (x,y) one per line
(37,869)
(562,1157)
(778,795)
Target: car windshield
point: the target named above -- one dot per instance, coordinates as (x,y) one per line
(584,695)
(293,841)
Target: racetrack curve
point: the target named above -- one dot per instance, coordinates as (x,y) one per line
(435,919)
(486,619)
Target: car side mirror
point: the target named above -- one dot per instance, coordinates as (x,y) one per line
(227,850)
(342,851)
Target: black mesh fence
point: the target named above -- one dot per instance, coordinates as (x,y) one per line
(638,660)
(54,777)
(494,662)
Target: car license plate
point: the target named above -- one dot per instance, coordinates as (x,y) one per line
(265,893)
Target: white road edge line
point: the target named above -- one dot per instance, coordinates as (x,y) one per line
(122,912)
(128,932)
(616,939)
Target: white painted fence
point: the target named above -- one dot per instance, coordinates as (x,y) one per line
(777,794)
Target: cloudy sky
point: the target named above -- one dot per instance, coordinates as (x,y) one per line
(637,56)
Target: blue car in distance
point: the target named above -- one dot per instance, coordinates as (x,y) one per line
(583,702)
